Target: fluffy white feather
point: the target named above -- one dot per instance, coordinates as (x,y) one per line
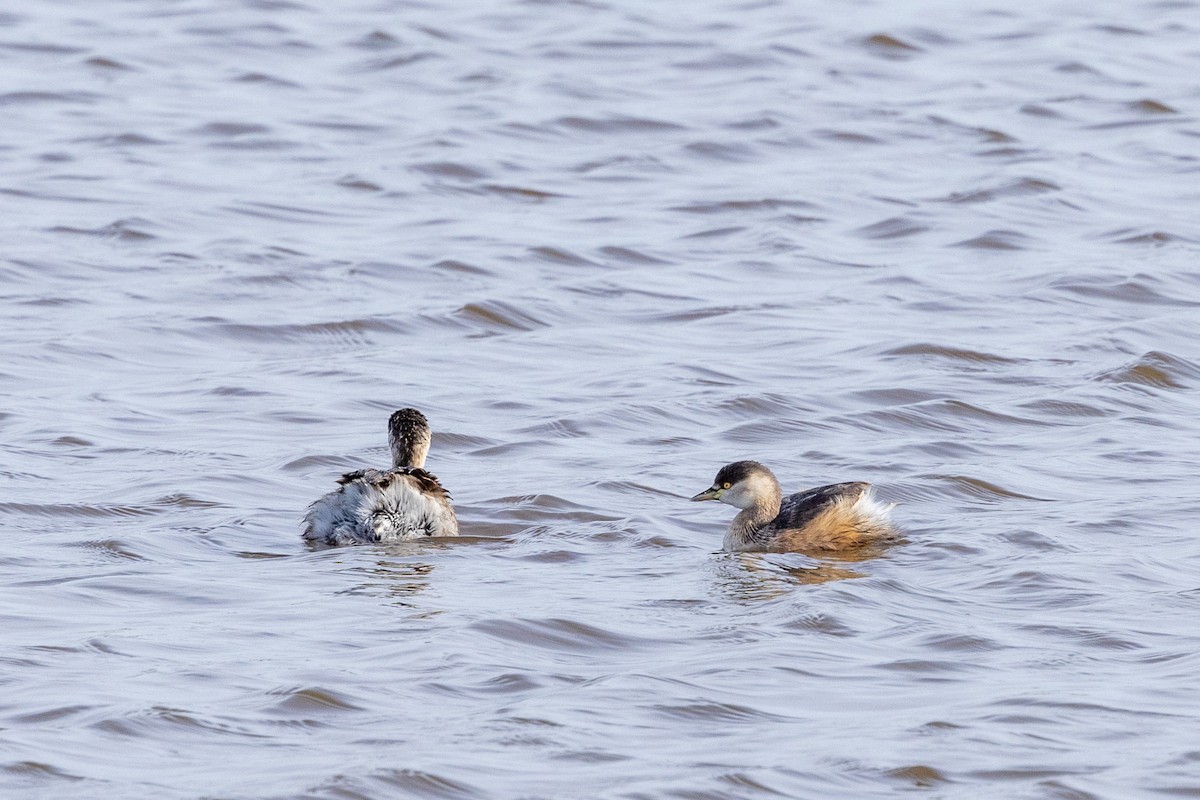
(394,506)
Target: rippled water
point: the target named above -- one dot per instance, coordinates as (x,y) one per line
(607,247)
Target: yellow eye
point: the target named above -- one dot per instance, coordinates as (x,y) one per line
(726,485)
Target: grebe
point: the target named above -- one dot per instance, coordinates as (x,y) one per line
(395,505)
(835,517)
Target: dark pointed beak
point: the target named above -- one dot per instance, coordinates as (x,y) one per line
(708,494)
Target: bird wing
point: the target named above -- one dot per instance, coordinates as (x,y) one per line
(801,508)
(423,480)
(426,481)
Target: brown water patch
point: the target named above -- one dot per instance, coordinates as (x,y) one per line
(888,46)
(1155,369)
(919,776)
(72,441)
(847,137)
(38,770)
(555,255)
(951,353)
(112,549)
(310,699)
(521,192)
(1039,110)
(1152,107)
(451,265)
(821,573)
(494,316)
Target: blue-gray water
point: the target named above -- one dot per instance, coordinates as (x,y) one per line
(950,248)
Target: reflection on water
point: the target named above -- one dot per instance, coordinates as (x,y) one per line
(934,246)
(763,576)
(392,579)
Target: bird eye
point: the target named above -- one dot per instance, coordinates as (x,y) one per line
(726,485)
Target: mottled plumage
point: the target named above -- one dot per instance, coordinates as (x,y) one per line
(839,516)
(394,505)
(800,509)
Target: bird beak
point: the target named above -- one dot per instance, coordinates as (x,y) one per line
(708,494)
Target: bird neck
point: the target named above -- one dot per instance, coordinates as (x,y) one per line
(767,499)
(409,451)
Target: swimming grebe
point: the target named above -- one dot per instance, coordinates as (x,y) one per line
(835,517)
(395,505)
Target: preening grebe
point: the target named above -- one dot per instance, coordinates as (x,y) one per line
(395,505)
(835,517)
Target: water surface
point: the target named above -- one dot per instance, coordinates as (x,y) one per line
(949,248)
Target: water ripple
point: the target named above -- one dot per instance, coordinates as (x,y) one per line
(606,249)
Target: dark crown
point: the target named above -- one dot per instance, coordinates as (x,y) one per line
(738,471)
